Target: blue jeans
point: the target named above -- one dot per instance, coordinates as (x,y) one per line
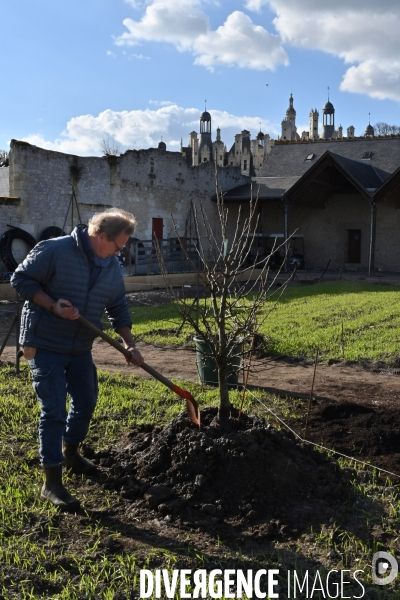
(54,375)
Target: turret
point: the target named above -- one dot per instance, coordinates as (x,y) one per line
(328,121)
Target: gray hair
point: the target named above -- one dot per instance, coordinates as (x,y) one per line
(112,222)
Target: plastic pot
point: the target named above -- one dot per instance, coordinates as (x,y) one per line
(207,367)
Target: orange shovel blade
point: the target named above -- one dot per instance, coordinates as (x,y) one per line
(191,405)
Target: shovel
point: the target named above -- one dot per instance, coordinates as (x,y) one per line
(191,404)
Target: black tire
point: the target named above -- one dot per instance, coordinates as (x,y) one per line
(6,250)
(51,232)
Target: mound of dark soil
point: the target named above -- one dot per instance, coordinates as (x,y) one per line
(251,475)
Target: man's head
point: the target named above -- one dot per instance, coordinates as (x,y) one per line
(110,230)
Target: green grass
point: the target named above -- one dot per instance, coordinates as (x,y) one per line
(304,319)
(307,318)
(37,557)
(46,555)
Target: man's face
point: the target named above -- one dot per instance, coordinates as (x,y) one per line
(106,247)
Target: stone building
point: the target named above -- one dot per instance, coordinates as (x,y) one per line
(158,186)
(340,197)
(289,129)
(245,153)
(339,194)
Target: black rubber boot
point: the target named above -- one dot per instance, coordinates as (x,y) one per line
(54,491)
(75,461)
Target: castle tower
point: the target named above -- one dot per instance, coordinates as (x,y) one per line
(291,113)
(219,149)
(194,145)
(289,129)
(314,117)
(205,147)
(369,130)
(328,121)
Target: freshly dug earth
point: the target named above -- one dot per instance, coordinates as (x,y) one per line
(250,475)
(358,430)
(252,492)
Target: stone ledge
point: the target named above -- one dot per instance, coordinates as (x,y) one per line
(10,200)
(94,207)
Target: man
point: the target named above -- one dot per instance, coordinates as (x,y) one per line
(61,279)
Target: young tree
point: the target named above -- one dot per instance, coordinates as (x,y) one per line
(237,284)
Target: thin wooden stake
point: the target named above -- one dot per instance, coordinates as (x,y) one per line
(247,375)
(342,341)
(311,393)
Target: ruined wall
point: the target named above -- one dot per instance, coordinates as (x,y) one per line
(150,183)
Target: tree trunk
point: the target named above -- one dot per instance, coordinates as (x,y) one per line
(224,409)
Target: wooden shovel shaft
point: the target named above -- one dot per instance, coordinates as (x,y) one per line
(128,355)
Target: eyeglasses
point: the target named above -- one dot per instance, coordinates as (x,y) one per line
(117,248)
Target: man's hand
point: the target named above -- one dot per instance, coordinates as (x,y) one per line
(61,307)
(129,343)
(64,308)
(137,358)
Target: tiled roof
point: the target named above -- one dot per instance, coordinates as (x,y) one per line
(4,182)
(290,159)
(264,188)
(368,175)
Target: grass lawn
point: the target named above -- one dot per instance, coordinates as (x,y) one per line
(304,319)
(48,555)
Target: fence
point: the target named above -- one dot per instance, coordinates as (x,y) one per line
(139,257)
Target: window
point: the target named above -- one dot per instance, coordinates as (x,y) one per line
(245,165)
(366,155)
(310,156)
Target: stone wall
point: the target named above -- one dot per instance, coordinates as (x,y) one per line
(150,183)
(325,231)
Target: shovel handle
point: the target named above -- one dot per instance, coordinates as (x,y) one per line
(191,404)
(128,355)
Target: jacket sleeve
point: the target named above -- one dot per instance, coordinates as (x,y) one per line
(32,275)
(117,310)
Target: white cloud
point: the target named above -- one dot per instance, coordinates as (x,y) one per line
(143,129)
(139,57)
(161,102)
(362,32)
(166,21)
(255,4)
(238,42)
(134,3)
(379,81)
(109,53)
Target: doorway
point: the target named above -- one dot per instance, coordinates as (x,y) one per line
(354,246)
(157,227)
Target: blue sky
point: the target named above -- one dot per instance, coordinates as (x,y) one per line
(75,72)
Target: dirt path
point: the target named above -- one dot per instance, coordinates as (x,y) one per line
(336,382)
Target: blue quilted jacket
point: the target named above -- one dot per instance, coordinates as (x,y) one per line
(60,267)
